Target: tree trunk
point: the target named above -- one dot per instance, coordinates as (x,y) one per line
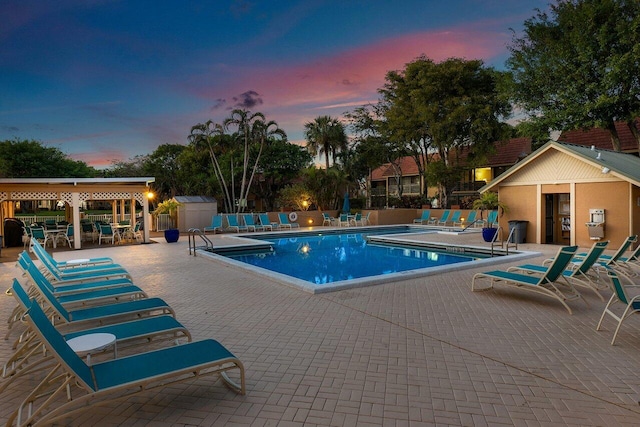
(615,138)
(631,124)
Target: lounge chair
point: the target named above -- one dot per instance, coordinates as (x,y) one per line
(81,273)
(618,261)
(74,263)
(455,218)
(84,386)
(265,222)
(29,357)
(444,218)
(545,284)
(492,218)
(469,221)
(578,272)
(216,224)
(284,221)
(425,217)
(250,223)
(632,305)
(99,315)
(232,220)
(84,294)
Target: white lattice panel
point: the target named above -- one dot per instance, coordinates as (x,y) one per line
(111,195)
(34,195)
(3,196)
(139,197)
(67,197)
(83,197)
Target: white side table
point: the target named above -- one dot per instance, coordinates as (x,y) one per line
(92,343)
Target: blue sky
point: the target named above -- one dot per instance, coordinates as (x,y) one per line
(107,80)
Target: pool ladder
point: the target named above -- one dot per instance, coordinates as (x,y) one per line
(196,232)
(498,234)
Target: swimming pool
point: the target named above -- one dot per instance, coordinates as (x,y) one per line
(339,259)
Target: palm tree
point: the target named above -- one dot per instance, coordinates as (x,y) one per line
(325,136)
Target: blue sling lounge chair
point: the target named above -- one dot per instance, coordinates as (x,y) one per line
(632,305)
(424,218)
(444,218)
(545,284)
(81,386)
(284,221)
(216,224)
(578,272)
(29,357)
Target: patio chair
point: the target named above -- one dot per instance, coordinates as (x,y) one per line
(136,233)
(67,236)
(357,219)
(343,220)
(578,272)
(366,220)
(284,221)
(632,305)
(88,230)
(327,219)
(82,384)
(216,224)
(444,217)
(425,217)
(38,235)
(232,220)
(250,223)
(546,284)
(107,233)
(265,222)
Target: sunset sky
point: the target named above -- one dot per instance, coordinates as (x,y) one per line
(107,80)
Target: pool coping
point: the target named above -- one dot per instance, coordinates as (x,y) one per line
(505,256)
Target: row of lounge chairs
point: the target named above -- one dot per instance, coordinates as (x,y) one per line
(454,218)
(61,301)
(248,223)
(561,276)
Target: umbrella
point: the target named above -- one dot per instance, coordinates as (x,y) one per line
(346,206)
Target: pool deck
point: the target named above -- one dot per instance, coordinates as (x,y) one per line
(423,351)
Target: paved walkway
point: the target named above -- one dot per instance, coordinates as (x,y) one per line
(419,352)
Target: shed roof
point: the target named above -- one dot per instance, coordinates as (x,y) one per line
(622,165)
(195,199)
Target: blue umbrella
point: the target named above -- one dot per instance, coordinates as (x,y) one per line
(346,206)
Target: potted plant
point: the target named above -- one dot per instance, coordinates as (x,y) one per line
(489,201)
(170,206)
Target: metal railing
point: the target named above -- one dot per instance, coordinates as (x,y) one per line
(32,219)
(192,233)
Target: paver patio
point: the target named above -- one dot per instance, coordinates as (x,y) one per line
(424,351)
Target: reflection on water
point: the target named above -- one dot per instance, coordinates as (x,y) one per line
(335,257)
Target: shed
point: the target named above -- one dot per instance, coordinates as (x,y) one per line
(558,187)
(196,211)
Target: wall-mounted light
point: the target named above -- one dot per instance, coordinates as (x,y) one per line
(606,170)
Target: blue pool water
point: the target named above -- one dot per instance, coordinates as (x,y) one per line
(328,258)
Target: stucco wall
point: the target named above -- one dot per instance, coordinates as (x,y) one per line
(614,198)
(521,201)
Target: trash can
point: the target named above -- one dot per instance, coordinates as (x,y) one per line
(520,235)
(13,232)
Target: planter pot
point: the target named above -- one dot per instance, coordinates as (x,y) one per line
(172,235)
(488,233)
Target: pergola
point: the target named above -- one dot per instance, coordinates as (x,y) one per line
(74,191)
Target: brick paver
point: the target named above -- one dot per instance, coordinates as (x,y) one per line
(423,351)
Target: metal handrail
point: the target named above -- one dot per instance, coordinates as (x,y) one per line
(192,233)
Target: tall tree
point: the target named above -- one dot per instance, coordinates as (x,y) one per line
(577,66)
(442,109)
(163,164)
(210,135)
(325,136)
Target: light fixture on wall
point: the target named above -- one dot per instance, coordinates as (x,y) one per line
(606,170)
